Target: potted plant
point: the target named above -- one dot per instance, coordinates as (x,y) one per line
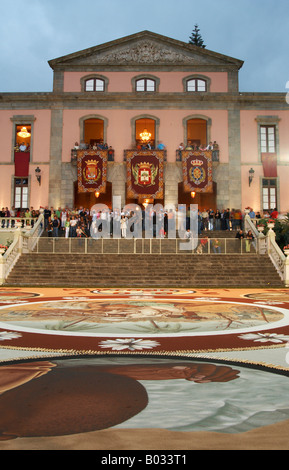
(271,223)
(286,250)
(261,227)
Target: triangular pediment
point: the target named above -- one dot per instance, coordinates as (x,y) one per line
(144,49)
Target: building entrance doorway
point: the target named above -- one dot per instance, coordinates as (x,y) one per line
(89,199)
(203,200)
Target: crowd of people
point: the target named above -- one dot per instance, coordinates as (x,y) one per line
(9,217)
(81,222)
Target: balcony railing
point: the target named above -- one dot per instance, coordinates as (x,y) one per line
(147,151)
(215,155)
(150,246)
(74,153)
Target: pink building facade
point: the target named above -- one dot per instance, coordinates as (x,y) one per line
(178,93)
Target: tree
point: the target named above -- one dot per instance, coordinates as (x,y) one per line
(196,38)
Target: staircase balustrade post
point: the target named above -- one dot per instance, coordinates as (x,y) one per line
(2,269)
(286,272)
(270,236)
(20,240)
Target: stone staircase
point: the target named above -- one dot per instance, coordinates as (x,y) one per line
(144,270)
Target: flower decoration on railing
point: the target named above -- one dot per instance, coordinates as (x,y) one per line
(3,249)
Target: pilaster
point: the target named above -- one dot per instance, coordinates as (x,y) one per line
(234,167)
(55,171)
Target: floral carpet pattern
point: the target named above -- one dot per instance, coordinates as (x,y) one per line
(179,361)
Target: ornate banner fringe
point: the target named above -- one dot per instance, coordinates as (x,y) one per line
(145,174)
(91,170)
(197,171)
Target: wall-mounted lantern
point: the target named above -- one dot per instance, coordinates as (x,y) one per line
(251,175)
(38,175)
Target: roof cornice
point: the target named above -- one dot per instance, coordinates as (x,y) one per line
(106,47)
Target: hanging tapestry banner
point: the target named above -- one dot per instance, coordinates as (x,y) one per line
(145,174)
(197,171)
(91,171)
(269,161)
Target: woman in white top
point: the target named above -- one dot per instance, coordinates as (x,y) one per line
(123,226)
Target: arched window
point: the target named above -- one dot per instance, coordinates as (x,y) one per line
(145,84)
(94,84)
(196,84)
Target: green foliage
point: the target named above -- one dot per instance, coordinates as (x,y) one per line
(196,38)
(281,230)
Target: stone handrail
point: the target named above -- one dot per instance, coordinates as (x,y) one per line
(278,258)
(23,242)
(249,225)
(10,257)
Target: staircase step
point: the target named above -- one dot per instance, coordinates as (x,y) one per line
(183,270)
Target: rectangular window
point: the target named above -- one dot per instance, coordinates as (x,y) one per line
(269,191)
(150,85)
(99,85)
(89,85)
(268,139)
(21,193)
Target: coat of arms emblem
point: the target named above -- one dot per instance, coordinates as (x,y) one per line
(197,173)
(90,172)
(144,174)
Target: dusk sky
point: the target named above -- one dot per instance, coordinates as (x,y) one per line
(33,32)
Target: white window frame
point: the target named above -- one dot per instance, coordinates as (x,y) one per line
(145,85)
(269,194)
(21,193)
(198,85)
(268,138)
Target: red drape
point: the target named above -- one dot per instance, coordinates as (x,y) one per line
(21,160)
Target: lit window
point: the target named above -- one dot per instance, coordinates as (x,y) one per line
(196,84)
(145,84)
